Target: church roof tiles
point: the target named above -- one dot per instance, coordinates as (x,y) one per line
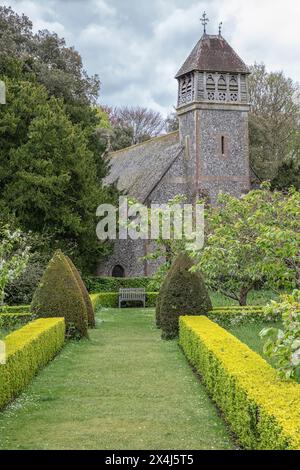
(138,169)
(213,54)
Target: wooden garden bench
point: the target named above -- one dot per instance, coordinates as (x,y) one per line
(126,295)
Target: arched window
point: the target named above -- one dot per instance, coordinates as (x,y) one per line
(233,84)
(118,271)
(210,83)
(233,88)
(222,83)
(210,87)
(189,84)
(222,88)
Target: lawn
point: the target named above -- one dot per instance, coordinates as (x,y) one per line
(123,389)
(249,334)
(5,331)
(255,297)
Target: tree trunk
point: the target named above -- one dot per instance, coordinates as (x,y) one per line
(243,296)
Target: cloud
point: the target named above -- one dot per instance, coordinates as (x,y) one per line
(137,46)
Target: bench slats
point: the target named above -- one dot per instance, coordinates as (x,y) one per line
(138,294)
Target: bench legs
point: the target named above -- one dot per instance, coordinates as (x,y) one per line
(143,302)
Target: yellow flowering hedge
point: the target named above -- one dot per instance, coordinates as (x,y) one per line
(262,410)
(27,350)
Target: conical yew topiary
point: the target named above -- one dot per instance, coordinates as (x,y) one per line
(59,295)
(163,287)
(85,294)
(183,293)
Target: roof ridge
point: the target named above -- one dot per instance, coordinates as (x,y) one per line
(163,136)
(181,148)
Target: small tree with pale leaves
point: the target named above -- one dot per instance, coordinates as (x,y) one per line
(14,255)
(283,344)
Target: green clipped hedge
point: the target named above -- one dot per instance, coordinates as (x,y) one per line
(111,299)
(262,411)
(27,350)
(113,284)
(231,316)
(15,308)
(8,320)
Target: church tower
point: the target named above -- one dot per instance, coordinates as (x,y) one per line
(213,107)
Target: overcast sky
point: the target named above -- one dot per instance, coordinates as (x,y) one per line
(137,46)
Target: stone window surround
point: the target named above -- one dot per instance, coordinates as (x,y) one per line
(226,137)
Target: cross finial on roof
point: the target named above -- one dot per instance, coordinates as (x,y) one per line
(220,29)
(204,21)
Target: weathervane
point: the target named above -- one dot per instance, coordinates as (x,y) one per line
(204,21)
(220,29)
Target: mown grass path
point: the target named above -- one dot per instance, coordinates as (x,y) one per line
(123,389)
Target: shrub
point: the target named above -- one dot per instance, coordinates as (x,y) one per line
(59,294)
(85,294)
(14,308)
(21,290)
(95,299)
(263,412)
(27,350)
(184,293)
(14,255)
(230,316)
(113,284)
(9,320)
(284,344)
(151,299)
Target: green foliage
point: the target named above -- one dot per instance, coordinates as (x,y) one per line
(48,175)
(288,175)
(228,317)
(28,350)
(45,56)
(13,256)
(111,299)
(262,411)
(85,294)
(284,344)
(113,284)
(15,308)
(51,156)
(13,319)
(59,295)
(20,290)
(252,241)
(151,299)
(184,293)
(163,287)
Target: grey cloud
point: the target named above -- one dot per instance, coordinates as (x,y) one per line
(137,46)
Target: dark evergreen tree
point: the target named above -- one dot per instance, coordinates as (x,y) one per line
(184,293)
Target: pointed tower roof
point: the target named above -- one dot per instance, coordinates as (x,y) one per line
(213,54)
